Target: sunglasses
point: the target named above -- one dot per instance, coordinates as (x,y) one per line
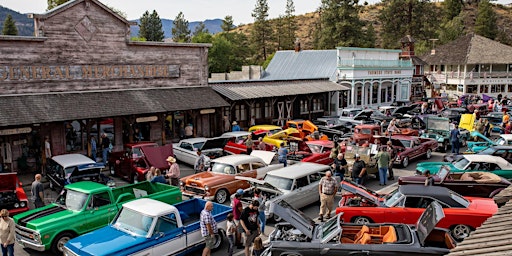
(5,216)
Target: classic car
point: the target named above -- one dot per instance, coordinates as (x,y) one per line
(332,127)
(12,195)
(480,142)
(69,168)
(406,203)
(504,151)
(307,129)
(266,127)
(236,141)
(453,114)
(439,128)
(496,120)
(362,117)
(349,112)
(297,184)
(366,154)
(410,147)
(219,182)
(134,161)
(367,133)
(478,184)
(284,136)
(317,151)
(186,150)
(302,236)
(481,163)
(400,122)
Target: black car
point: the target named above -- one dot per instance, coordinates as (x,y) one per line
(453,113)
(503,151)
(302,236)
(332,127)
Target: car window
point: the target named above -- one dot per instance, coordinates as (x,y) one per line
(244,167)
(136,152)
(314,177)
(99,200)
(417,202)
(186,146)
(279,182)
(301,182)
(165,224)
(461,164)
(256,165)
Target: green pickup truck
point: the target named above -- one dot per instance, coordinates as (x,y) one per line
(82,207)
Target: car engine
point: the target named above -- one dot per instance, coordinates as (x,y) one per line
(286,232)
(8,199)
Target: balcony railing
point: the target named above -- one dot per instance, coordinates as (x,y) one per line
(359,63)
(468,75)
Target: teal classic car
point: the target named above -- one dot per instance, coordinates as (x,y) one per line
(480,142)
(439,128)
(468,163)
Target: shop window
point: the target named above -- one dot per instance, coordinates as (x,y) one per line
(268,112)
(317,105)
(497,88)
(484,88)
(451,87)
(375,93)
(304,106)
(471,88)
(509,88)
(240,112)
(257,110)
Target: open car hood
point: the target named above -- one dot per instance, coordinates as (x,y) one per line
(309,126)
(92,169)
(363,115)
(296,218)
(8,181)
(266,156)
(428,220)
(284,133)
(157,156)
(403,109)
(438,123)
(257,183)
(215,143)
(481,136)
(467,122)
(361,191)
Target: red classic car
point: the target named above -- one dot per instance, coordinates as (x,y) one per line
(367,133)
(405,205)
(410,147)
(236,141)
(478,184)
(135,160)
(12,195)
(316,151)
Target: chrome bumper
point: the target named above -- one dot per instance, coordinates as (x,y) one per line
(28,244)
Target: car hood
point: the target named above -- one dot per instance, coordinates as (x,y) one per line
(215,143)
(93,243)
(157,156)
(266,156)
(428,221)
(361,191)
(433,167)
(92,169)
(363,114)
(467,122)
(258,183)
(8,181)
(45,217)
(296,218)
(403,109)
(481,136)
(207,178)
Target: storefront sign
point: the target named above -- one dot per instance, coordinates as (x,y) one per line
(207,111)
(19,142)
(88,72)
(15,131)
(384,72)
(146,119)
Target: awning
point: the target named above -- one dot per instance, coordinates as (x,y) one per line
(51,107)
(267,89)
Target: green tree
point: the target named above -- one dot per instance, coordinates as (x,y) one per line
(370,37)
(279,31)
(151,27)
(451,9)
(180,31)
(200,28)
(144,25)
(9,28)
(201,34)
(227,24)
(261,33)
(399,18)
(452,29)
(340,24)
(54,3)
(290,27)
(485,24)
(219,54)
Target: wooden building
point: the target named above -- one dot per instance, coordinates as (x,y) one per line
(81,75)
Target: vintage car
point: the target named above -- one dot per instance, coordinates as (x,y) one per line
(366,154)
(266,127)
(362,117)
(332,127)
(219,182)
(70,168)
(349,112)
(297,184)
(504,151)
(367,133)
(439,128)
(478,184)
(302,236)
(284,136)
(410,147)
(406,203)
(307,129)
(317,151)
(453,114)
(12,195)
(134,161)
(481,163)
(481,142)
(186,150)
(236,141)
(496,120)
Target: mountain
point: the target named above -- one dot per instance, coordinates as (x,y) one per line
(24,24)
(213,26)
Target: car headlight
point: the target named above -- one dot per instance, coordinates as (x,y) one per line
(206,187)
(16,205)
(181,183)
(23,204)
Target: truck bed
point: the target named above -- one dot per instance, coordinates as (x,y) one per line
(146,188)
(190,211)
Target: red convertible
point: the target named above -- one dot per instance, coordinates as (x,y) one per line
(410,147)
(316,151)
(405,205)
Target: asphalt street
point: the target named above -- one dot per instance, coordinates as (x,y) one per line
(311,211)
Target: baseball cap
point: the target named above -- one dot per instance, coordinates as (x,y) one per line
(240,191)
(357,155)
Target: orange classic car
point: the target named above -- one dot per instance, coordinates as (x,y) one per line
(307,129)
(218,183)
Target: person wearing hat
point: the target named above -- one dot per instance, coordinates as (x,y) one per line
(235,127)
(358,170)
(174,171)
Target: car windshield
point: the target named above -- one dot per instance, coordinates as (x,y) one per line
(487,151)
(72,200)
(366,131)
(461,164)
(279,182)
(328,227)
(393,198)
(315,148)
(439,124)
(222,168)
(133,222)
(406,143)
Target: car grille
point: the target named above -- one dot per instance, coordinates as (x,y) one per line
(26,233)
(195,190)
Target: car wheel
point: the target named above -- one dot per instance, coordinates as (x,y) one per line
(276,218)
(461,231)
(219,239)
(405,162)
(362,220)
(429,153)
(221,196)
(60,241)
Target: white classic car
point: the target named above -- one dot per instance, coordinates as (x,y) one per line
(186,150)
(296,184)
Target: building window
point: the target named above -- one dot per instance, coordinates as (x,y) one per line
(317,105)
(256,111)
(497,88)
(240,112)
(484,88)
(375,92)
(471,88)
(304,106)
(509,88)
(267,110)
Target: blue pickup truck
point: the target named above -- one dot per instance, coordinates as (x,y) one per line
(149,227)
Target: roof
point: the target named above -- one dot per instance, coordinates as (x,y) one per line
(441,193)
(470,49)
(306,64)
(237,159)
(235,134)
(194,140)
(493,237)
(86,186)
(256,89)
(298,170)
(51,107)
(149,207)
(487,159)
(72,160)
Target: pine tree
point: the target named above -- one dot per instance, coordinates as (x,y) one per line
(227,24)
(290,27)
(144,25)
(370,37)
(261,34)
(451,9)
(54,3)
(180,31)
(340,24)
(280,32)
(452,29)
(9,26)
(200,28)
(485,24)
(151,27)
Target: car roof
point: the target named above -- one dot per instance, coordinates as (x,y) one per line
(487,159)
(440,193)
(264,127)
(235,134)
(506,136)
(237,159)
(325,143)
(68,160)
(149,207)
(298,170)
(194,140)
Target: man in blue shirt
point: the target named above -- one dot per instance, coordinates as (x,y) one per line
(454,139)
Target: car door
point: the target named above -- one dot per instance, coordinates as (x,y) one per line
(173,236)
(186,150)
(300,195)
(100,210)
